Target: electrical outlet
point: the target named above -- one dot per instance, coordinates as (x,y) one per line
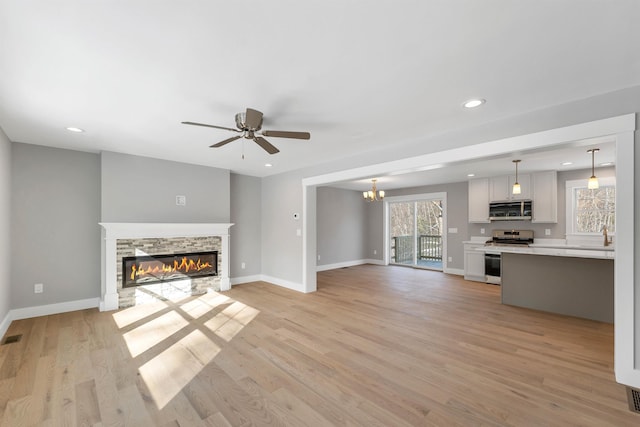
(318,257)
(450,259)
(243,265)
(181,200)
(482,231)
(38,288)
(375,252)
(547,232)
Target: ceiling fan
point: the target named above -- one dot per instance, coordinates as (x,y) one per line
(249,124)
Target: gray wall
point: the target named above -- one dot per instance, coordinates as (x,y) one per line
(341,226)
(142,189)
(558,230)
(5,225)
(55,209)
(457,215)
(281,246)
(246,233)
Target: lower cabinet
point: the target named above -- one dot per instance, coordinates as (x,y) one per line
(474,262)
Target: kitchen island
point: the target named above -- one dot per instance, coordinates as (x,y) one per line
(572,282)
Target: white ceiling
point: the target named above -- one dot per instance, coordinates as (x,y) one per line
(360,76)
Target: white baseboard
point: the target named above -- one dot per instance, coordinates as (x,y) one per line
(245,279)
(264,278)
(284,283)
(45,310)
(344,264)
(456,271)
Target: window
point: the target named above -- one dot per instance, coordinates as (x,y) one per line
(589,211)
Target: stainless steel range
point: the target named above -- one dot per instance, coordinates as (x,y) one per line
(492,260)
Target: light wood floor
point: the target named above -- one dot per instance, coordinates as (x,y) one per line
(375,346)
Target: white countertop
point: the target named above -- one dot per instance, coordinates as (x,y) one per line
(566,251)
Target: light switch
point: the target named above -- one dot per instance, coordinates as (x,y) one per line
(453,230)
(298,232)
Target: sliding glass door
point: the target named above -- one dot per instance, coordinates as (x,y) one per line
(416,232)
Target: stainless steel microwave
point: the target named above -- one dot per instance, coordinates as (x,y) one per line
(510,211)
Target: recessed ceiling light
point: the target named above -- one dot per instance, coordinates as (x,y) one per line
(77,130)
(267,165)
(471,174)
(567,163)
(473,103)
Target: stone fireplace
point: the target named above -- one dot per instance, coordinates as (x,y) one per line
(160,257)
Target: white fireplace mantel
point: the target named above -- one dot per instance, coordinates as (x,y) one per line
(112,231)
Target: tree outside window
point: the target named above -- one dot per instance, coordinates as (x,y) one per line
(595,209)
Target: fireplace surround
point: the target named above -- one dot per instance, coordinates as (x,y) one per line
(116,234)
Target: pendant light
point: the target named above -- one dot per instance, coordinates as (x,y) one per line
(593,181)
(373,194)
(516,185)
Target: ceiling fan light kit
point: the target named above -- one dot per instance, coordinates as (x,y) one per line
(248,126)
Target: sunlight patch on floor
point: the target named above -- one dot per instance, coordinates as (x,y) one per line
(153,332)
(231,320)
(204,304)
(131,315)
(168,373)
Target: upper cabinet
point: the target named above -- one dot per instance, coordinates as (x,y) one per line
(545,197)
(500,188)
(479,200)
(540,187)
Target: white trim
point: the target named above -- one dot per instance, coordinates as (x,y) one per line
(344,264)
(245,279)
(46,310)
(456,271)
(4,325)
(416,198)
(548,138)
(626,333)
(284,283)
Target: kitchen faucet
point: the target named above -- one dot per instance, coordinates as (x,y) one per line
(606,237)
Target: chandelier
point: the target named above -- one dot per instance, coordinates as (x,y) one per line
(373,194)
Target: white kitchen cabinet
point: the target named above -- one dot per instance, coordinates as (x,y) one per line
(479,200)
(500,187)
(545,197)
(474,262)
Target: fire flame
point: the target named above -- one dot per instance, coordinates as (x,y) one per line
(185,266)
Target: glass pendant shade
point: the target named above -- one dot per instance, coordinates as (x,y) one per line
(516,189)
(593,183)
(516,186)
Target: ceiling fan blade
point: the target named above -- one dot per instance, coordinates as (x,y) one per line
(286,134)
(266,145)
(226,141)
(209,126)
(253,119)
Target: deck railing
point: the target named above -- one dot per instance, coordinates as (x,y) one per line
(429,248)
